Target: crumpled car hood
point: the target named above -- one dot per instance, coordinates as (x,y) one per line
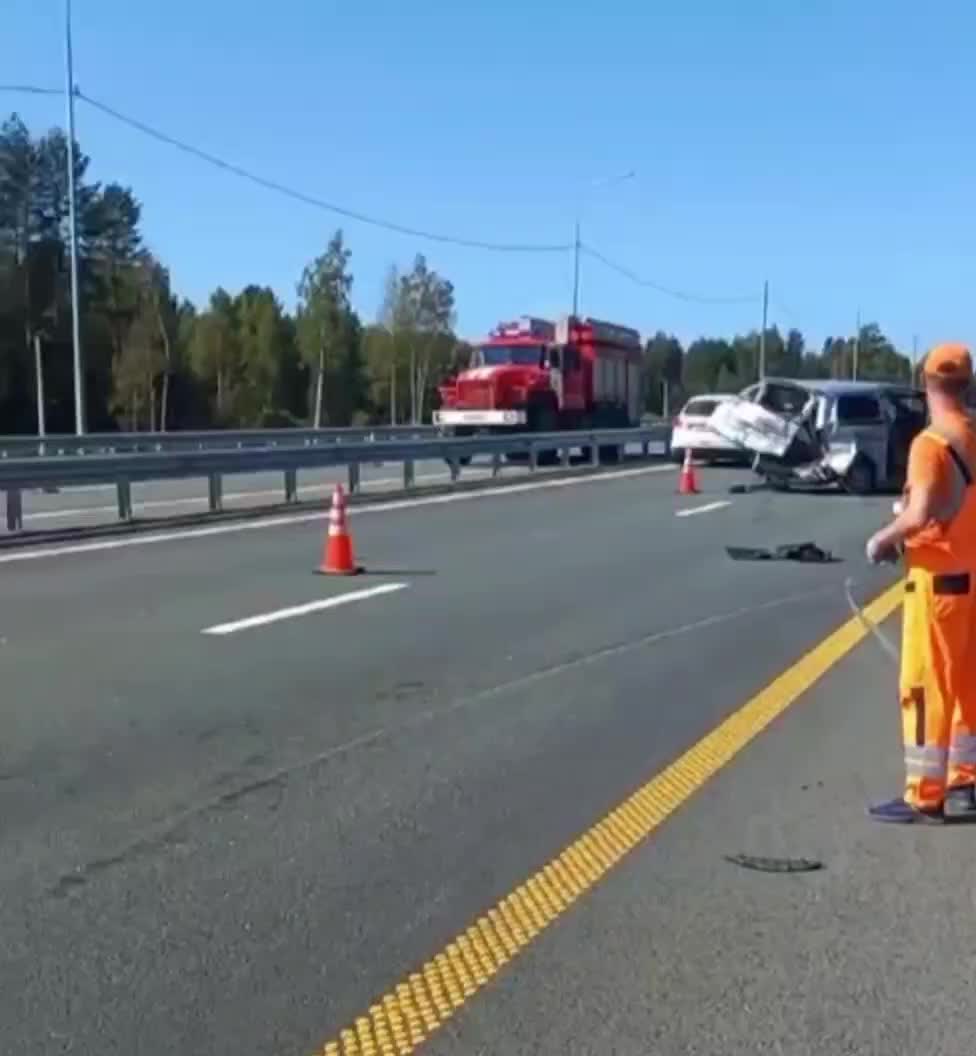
(786,446)
(751,426)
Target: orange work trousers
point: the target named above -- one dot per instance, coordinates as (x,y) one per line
(937,684)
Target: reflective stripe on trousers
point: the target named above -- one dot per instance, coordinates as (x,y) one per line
(926,762)
(962,748)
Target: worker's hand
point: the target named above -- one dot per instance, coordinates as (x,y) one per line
(878,551)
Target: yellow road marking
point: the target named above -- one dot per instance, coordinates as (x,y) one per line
(403,1018)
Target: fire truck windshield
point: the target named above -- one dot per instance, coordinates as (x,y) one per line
(498,355)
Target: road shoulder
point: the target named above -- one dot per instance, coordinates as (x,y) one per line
(679,950)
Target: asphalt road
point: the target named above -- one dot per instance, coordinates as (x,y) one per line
(235,842)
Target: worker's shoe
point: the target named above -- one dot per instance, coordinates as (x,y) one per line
(960,803)
(898,812)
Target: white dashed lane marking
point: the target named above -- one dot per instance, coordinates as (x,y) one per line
(707,508)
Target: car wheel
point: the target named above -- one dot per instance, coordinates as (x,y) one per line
(861,477)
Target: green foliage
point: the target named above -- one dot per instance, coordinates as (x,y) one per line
(324,322)
(662,369)
(418,314)
(715,365)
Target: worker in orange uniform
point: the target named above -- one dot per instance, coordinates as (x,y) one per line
(936,528)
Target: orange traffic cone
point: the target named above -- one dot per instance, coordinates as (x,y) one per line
(337,559)
(688,481)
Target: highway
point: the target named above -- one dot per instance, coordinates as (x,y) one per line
(237,810)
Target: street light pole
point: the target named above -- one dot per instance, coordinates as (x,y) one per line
(857,344)
(73,227)
(39,386)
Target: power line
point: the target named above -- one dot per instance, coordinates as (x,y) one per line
(320,203)
(681,295)
(780,304)
(30,89)
(290,192)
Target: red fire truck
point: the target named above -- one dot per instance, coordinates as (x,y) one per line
(532,375)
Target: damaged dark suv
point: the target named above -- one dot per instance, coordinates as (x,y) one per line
(852,434)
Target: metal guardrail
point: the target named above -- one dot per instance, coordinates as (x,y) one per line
(122,470)
(206,440)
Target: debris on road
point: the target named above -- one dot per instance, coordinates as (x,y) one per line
(806,552)
(774,865)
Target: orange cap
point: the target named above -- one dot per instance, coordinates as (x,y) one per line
(950,360)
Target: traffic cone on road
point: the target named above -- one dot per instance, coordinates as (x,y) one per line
(337,557)
(688,481)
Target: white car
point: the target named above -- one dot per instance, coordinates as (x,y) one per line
(691,431)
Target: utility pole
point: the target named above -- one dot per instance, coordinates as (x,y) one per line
(39,376)
(857,343)
(762,332)
(576,269)
(73,226)
(413,385)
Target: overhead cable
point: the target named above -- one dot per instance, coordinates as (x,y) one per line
(681,295)
(30,89)
(320,203)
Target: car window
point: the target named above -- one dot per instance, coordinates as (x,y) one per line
(858,409)
(908,404)
(700,408)
(785,399)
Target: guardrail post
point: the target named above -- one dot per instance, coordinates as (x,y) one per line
(594,452)
(455,467)
(215,489)
(533,458)
(408,474)
(496,464)
(353,477)
(291,485)
(565,455)
(15,510)
(645,447)
(123,490)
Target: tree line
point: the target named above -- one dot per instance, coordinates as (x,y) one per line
(153,360)
(714,364)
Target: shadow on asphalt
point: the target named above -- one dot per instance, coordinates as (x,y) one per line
(404,573)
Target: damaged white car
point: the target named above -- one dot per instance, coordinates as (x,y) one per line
(852,434)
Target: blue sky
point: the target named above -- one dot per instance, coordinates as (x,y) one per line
(826,144)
